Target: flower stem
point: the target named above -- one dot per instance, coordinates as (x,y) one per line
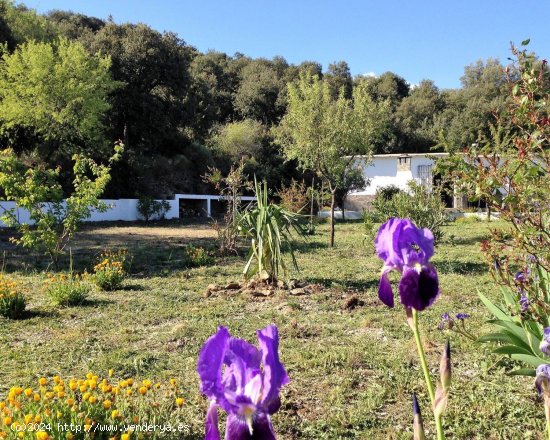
(547,414)
(423,363)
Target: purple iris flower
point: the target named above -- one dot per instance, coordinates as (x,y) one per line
(407,249)
(542,379)
(545,343)
(524,302)
(247,388)
(522,276)
(445,318)
(462,316)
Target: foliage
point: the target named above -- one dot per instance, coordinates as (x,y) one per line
(230,189)
(269,228)
(57,93)
(260,95)
(24,24)
(353,180)
(509,171)
(67,290)
(197,256)
(12,300)
(467,113)
(295,197)
(239,139)
(54,219)
(110,271)
(325,135)
(74,409)
(519,327)
(421,204)
(150,208)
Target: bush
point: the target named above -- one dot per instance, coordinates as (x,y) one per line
(12,301)
(269,228)
(67,290)
(295,198)
(39,190)
(197,256)
(58,409)
(150,208)
(422,205)
(110,272)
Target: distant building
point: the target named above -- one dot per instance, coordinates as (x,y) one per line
(398,170)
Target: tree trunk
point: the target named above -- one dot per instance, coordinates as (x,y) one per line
(343,209)
(311,208)
(332,204)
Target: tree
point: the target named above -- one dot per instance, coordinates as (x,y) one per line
(353,179)
(239,139)
(469,111)
(261,93)
(54,97)
(339,79)
(213,86)
(26,25)
(326,134)
(415,115)
(38,190)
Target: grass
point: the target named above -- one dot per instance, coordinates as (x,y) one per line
(352,372)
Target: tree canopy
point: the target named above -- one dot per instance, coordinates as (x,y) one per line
(167,101)
(324,134)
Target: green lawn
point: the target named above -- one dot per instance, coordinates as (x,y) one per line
(352,372)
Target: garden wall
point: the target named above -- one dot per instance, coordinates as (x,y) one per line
(119,210)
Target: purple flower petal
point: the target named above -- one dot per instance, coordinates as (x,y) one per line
(274,373)
(243,362)
(545,347)
(542,381)
(385,243)
(237,429)
(209,366)
(385,292)
(400,242)
(419,290)
(211,423)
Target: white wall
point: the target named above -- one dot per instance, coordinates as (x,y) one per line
(382,172)
(120,209)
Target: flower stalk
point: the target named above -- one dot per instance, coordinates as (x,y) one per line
(424,365)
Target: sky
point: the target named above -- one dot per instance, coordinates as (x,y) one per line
(416,39)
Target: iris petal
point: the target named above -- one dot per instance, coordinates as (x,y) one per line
(419,289)
(385,292)
(209,366)
(274,373)
(211,423)
(236,428)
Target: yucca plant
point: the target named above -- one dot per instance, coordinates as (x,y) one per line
(270,228)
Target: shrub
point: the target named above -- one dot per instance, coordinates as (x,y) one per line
(420,204)
(509,170)
(58,409)
(197,256)
(295,197)
(269,228)
(12,300)
(39,190)
(110,272)
(150,208)
(67,290)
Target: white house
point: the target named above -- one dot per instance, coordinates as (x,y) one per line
(398,170)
